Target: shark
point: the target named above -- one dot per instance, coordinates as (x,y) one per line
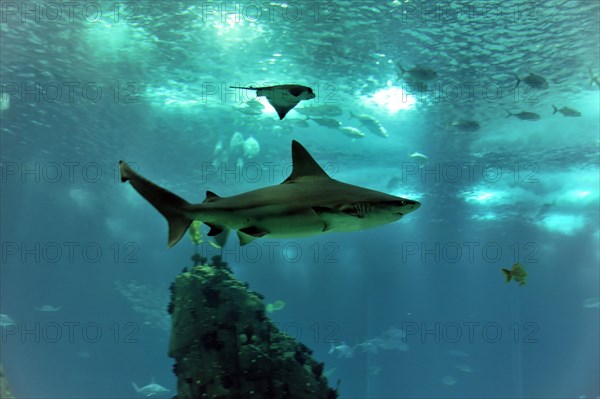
(151,389)
(309,202)
(282,97)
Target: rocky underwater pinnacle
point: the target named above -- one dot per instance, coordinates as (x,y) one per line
(225,346)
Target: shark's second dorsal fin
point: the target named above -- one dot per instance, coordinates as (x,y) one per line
(304,165)
(211,197)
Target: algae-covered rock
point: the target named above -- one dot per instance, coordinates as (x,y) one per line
(4,390)
(226,347)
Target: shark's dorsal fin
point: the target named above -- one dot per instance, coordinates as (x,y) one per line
(304,165)
(211,197)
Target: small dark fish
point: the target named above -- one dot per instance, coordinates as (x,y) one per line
(532,80)
(299,123)
(525,116)
(544,209)
(465,125)
(248,110)
(255,104)
(593,79)
(320,110)
(327,122)
(419,73)
(566,111)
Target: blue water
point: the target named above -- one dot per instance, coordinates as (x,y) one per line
(145,82)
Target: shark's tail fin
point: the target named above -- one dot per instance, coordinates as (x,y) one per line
(168,204)
(555,109)
(137,389)
(506,274)
(509,114)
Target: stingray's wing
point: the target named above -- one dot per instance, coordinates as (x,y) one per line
(283,108)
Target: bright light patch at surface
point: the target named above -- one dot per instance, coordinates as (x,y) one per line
(482,196)
(108,40)
(578,196)
(231,23)
(392,98)
(235,27)
(563,223)
(485,217)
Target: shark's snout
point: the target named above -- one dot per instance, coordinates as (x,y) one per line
(407,206)
(414,205)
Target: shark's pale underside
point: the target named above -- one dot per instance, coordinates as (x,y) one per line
(307,203)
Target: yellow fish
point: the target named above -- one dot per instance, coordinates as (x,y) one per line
(517,273)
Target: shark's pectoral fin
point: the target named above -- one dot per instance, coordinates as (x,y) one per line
(245,238)
(326,215)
